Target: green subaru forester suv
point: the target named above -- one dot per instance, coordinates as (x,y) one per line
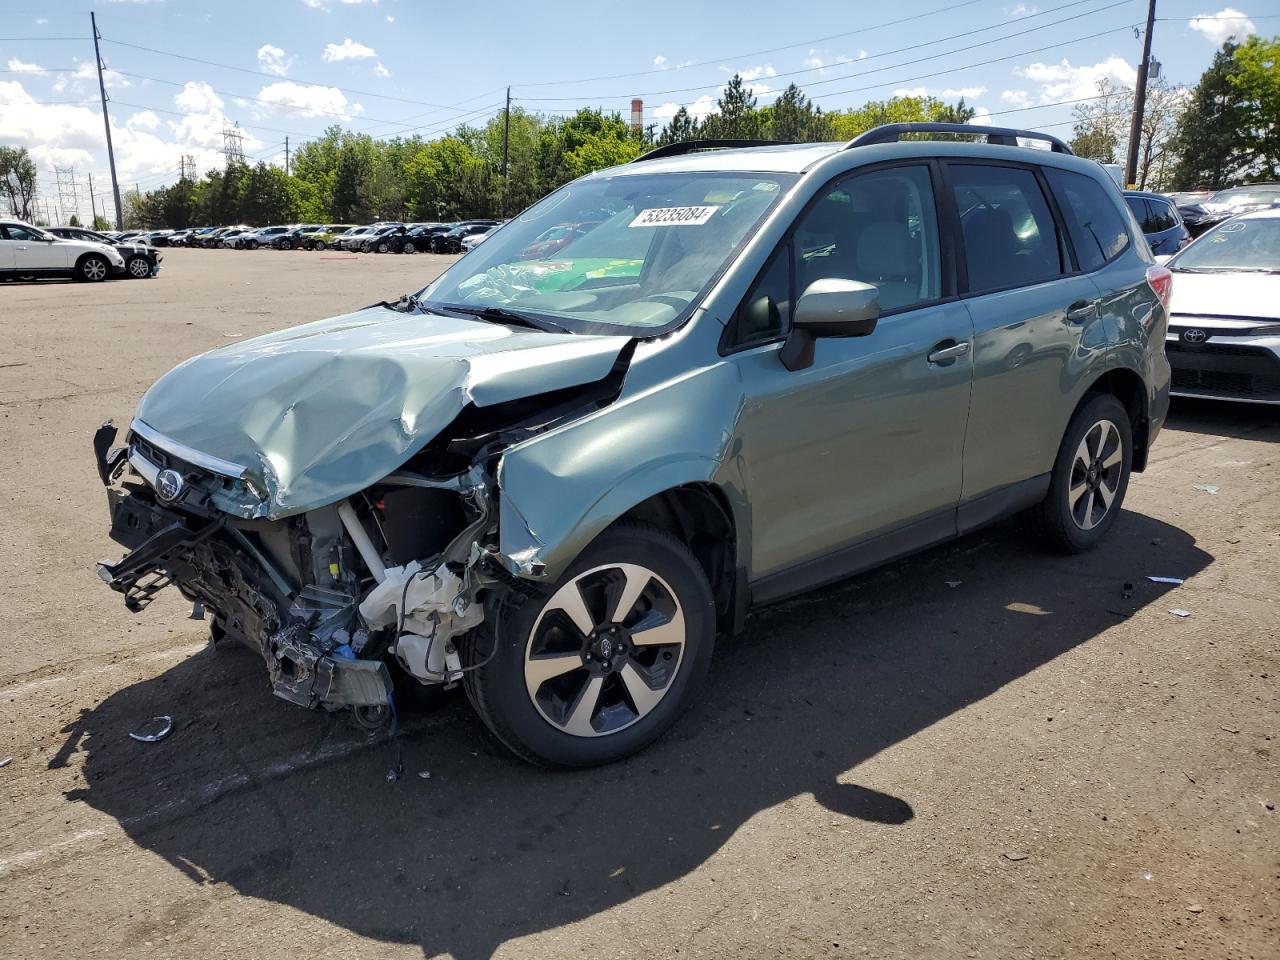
(554,476)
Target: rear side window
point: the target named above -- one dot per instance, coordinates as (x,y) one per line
(1162,217)
(1010,236)
(1097,229)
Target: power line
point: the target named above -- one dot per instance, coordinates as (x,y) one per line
(925,59)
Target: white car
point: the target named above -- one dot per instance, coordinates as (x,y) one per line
(1224,320)
(254,239)
(473,240)
(27,251)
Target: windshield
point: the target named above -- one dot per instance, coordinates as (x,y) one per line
(645,248)
(1250,245)
(1238,196)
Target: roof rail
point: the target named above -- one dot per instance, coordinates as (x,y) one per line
(1003,136)
(693,146)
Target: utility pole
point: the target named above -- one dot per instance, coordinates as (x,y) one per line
(93,206)
(1140,100)
(286,156)
(506,145)
(106,121)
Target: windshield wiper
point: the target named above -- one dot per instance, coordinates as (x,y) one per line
(503,315)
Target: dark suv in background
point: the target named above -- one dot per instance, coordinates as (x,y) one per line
(1159,220)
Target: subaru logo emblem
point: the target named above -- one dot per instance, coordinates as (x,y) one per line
(1194,335)
(169,485)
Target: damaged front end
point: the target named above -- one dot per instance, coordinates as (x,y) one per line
(394,578)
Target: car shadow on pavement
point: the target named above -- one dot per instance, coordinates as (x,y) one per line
(1256,421)
(291,807)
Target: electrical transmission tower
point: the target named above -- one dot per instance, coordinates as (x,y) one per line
(186,167)
(68,194)
(233,146)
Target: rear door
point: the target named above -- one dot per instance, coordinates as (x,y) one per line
(1035,317)
(6,248)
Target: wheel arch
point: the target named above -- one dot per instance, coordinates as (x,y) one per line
(1127,386)
(95,255)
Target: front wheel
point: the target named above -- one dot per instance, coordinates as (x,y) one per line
(383,247)
(318,245)
(286,244)
(139,267)
(93,269)
(1090,477)
(600,665)
(409,247)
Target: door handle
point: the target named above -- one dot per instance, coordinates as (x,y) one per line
(941,354)
(20,248)
(1082,310)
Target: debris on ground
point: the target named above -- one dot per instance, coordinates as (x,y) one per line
(1127,592)
(1179,612)
(1206,487)
(1015,857)
(154,730)
(424,774)
(1173,580)
(953,583)
(1233,539)
(1194,908)
(6,761)
(1231,729)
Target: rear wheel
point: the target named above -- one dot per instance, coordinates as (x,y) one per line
(599,666)
(383,247)
(409,247)
(286,244)
(92,268)
(1090,477)
(318,245)
(138,266)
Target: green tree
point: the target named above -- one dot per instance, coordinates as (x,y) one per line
(74,221)
(1210,143)
(679,128)
(847,124)
(793,118)
(736,116)
(18,181)
(1256,82)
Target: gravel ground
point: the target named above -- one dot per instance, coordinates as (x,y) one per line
(982,751)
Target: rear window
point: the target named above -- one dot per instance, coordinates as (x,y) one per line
(1010,236)
(1097,229)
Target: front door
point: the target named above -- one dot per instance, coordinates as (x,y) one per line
(871,436)
(33,252)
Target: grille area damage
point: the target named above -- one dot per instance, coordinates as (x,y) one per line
(341,599)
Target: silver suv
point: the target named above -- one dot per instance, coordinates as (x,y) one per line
(556,475)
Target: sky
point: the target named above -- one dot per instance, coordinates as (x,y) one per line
(179,72)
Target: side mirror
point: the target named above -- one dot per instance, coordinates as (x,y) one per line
(831,307)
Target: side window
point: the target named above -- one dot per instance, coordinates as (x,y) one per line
(766,312)
(1161,216)
(16,232)
(880,228)
(1097,229)
(1141,213)
(1010,236)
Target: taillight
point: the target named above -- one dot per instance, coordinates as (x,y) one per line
(1160,280)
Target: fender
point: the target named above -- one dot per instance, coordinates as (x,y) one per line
(561,489)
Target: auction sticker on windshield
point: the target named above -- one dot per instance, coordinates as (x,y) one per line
(673,217)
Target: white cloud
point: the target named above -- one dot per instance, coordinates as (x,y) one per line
(1062,81)
(754,73)
(911,92)
(17,66)
(41,21)
(390,18)
(822,60)
(969,93)
(272,59)
(86,76)
(347,50)
(197,97)
(1227,22)
(302,101)
(660,61)
(981,116)
(1015,98)
(143,120)
(1021,10)
(699,109)
(380,70)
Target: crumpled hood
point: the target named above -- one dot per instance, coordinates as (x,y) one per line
(1226,295)
(319,412)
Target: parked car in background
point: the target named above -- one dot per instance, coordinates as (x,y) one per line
(1184,198)
(451,240)
(30,251)
(473,240)
(1228,203)
(1159,221)
(140,261)
(551,240)
(556,482)
(294,237)
(324,237)
(226,238)
(353,239)
(1224,325)
(261,237)
(385,239)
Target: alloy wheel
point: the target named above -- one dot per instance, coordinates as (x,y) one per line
(94,269)
(604,650)
(139,268)
(1095,475)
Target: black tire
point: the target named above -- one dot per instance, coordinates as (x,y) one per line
(409,247)
(249,245)
(286,244)
(138,267)
(383,247)
(318,245)
(497,689)
(92,268)
(1074,524)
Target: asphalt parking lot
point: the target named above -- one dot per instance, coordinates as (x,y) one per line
(982,751)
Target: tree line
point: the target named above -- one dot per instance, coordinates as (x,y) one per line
(1225,130)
